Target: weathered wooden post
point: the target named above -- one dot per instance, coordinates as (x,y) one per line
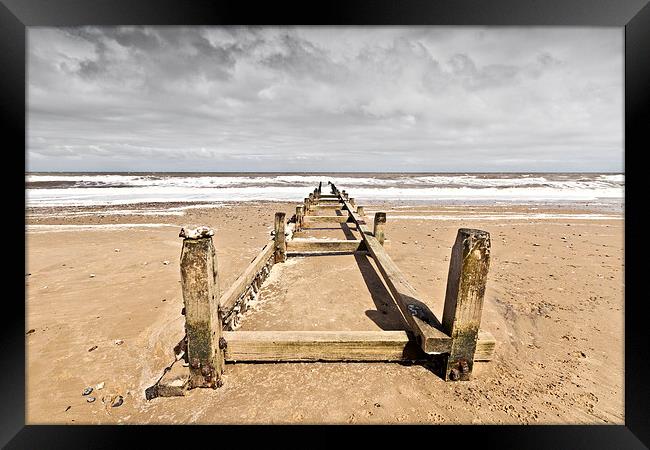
(200,285)
(312,200)
(280,239)
(320,187)
(360,211)
(352,203)
(380,222)
(344,194)
(299,210)
(316,193)
(461,318)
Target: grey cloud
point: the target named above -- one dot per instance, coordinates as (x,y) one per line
(238,98)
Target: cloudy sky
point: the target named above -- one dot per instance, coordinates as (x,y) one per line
(325,99)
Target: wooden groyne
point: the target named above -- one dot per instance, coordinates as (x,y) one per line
(211,318)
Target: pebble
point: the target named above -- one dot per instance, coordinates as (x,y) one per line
(94,347)
(117,250)
(31,331)
(87,391)
(118,401)
(165,262)
(535,245)
(119,342)
(100,386)
(92,275)
(90,399)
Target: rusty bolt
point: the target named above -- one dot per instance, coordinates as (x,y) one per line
(454,374)
(464,367)
(222,343)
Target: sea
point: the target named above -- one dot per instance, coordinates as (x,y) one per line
(595,190)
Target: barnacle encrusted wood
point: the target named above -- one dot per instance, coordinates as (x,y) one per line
(461,318)
(200,285)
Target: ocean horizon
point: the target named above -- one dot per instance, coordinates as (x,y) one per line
(48,189)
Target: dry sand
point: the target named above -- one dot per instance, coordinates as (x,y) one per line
(554,304)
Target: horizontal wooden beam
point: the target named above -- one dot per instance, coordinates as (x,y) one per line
(280,346)
(329,196)
(321,219)
(329,200)
(329,207)
(239,287)
(325,245)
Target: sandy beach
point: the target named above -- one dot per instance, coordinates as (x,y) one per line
(110,282)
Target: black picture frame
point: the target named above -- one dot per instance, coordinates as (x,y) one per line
(633,15)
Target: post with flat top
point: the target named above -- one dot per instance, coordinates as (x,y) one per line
(380,222)
(344,194)
(200,286)
(352,203)
(306,209)
(312,200)
(468,269)
(320,187)
(298,218)
(280,239)
(360,211)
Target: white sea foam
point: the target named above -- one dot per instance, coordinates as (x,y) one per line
(99,189)
(41,228)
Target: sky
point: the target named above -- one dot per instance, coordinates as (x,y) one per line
(350,99)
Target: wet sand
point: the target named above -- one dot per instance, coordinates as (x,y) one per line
(554,303)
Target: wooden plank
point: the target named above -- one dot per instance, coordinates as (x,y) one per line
(228,299)
(424,324)
(422,321)
(322,207)
(461,319)
(200,287)
(321,219)
(329,196)
(325,245)
(281,346)
(484,346)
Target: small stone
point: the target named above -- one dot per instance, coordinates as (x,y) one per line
(100,386)
(164,299)
(117,250)
(87,391)
(90,399)
(92,275)
(166,263)
(535,245)
(31,331)
(119,342)
(94,347)
(118,401)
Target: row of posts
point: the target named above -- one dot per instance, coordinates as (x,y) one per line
(468,268)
